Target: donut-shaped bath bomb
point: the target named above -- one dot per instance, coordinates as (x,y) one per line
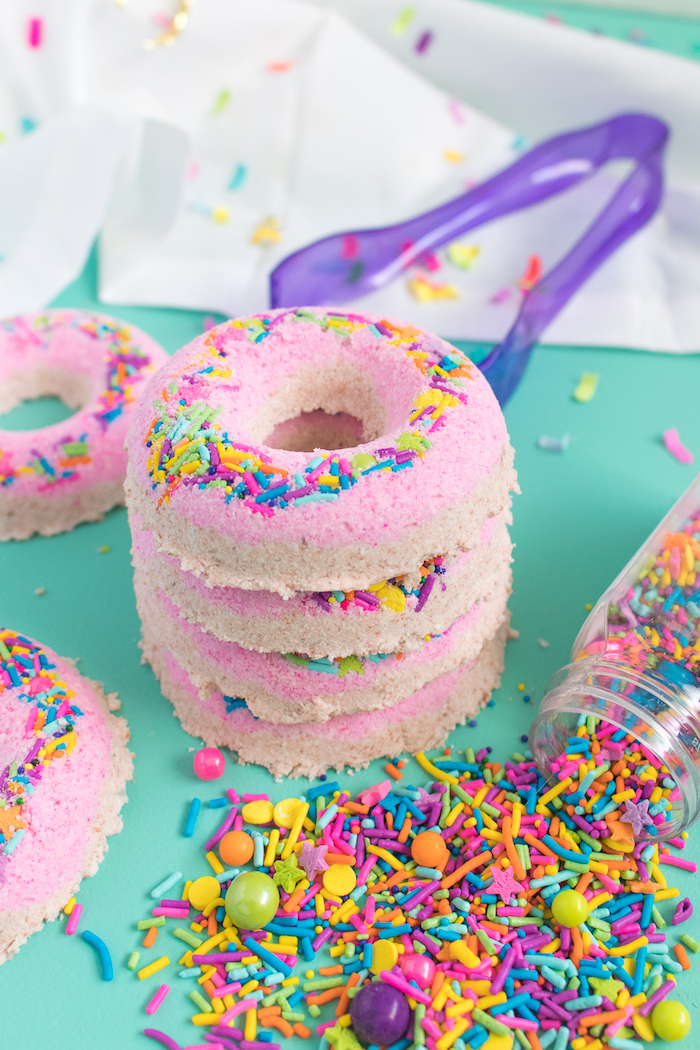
(55,477)
(408,452)
(288,687)
(64,765)
(421,721)
(390,616)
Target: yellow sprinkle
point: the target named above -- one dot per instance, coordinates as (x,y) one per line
(202,1019)
(268,232)
(215,862)
(154,967)
(463,255)
(587,386)
(186,891)
(628,949)
(403,20)
(664,895)
(251,1024)
(556,790)
(295,829)
(68,908)
(453,156)
(426,291)
(438,774)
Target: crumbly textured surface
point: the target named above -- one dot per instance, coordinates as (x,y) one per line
(22,516)
(74,808)
(306,623)
(422,721)
(299,565)
(280,690)
(54,477)
(435,461)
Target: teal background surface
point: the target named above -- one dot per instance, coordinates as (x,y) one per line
(581,515)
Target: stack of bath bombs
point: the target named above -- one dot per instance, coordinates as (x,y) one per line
(319,504)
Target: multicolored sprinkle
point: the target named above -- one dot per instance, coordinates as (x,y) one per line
(482,895)
(124,361)
(49,733)
(189,447)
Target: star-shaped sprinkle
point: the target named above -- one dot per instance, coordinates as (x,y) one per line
(608,987)
(342,1038)
(620,832)
(637,814)
(287,874)
(504,884)
(313,860)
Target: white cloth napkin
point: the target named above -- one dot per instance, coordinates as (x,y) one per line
(270,123)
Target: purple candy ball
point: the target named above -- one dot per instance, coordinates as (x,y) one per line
(379,1013)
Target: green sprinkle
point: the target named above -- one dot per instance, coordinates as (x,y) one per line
(490,1023)
(418,1031)
(690,942)
(133,960)
(323,983)
(199,1000)
(486,941)
(145,924)
(187,936)
(658,918)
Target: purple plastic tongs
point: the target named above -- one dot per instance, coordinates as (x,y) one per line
(319,275)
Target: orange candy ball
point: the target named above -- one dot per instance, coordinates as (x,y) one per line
(428,849)
(236,847)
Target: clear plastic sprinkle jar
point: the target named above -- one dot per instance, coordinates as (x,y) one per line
(636,666)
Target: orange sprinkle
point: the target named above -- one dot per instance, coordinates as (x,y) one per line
(302,1030)
(330,971)
(279,1022)
(401,763)
(682,956)
(150,936)
(342,1007)
(325,997)
(393,771)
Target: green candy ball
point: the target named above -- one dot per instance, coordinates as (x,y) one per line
(252,900)
(570,908)
(670,1020)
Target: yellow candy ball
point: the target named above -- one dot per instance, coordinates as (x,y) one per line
(570,908)
(204,890)
(670,1020)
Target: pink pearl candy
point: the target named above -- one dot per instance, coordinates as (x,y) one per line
(209,763)
(418,968)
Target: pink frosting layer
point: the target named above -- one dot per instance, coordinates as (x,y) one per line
(298,685)
(269,604)
(382,507)
(65,802)
(72,353)
(343,727)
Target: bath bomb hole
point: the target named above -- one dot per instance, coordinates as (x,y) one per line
(332,409)
(42,398)
(317,429)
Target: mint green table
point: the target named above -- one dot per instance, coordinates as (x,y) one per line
(581,515)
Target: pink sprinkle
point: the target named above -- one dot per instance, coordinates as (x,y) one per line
(35,32)
(424,42)
(456,111)
(350,246)
(233,795)
(501,295)
(208,322)
(676,447)
(72,924)
(171,913)
(403,986)
(158,998)
(677,862)
(256,798)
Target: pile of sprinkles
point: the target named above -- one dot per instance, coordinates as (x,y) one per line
(655,627)
(124,362)
(188,446)
(49,733)
(388,595)
(478,907)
